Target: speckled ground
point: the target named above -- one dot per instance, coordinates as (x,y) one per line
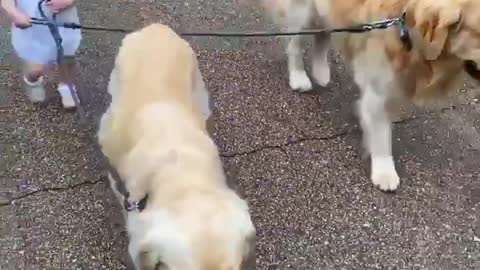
(296,158)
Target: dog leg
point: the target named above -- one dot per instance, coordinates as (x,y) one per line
(377,134)
(298,19)
(297,75)
(320,67)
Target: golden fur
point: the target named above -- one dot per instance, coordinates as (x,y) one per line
(154,134)
(446,47)
(443,33)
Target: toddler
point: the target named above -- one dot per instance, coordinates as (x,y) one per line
(36,47)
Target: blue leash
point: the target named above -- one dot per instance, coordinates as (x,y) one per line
(53,26)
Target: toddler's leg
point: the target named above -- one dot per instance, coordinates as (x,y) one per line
(33,78)
(67,78)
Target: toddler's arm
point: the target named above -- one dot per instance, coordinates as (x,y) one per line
(59,5)
(18,18)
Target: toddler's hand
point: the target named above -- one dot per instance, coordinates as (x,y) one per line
(21,20)
(59,5)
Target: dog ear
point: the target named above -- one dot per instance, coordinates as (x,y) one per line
(432,24)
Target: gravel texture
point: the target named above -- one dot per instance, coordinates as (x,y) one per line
(296,158)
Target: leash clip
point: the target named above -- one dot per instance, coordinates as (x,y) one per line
(134,205)
(404,33)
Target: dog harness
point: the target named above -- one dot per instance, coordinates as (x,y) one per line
(128,205)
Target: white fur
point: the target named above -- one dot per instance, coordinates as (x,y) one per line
(299,80)
(383,173)
(320,67)
(323,8)
(112,87)
(159,237)
(158,143)
(299,17)
(200,95)
(375,123)
(298,77)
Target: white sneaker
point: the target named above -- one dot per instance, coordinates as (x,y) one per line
(35,90)
(67,98)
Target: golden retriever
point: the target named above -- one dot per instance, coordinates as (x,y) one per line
(445,36)
(154,133)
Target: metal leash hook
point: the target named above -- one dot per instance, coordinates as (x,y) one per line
(53,26)
(400,22)
(404,33)
(134,205)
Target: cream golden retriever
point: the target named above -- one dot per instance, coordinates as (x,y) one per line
(154,133)
(446,43)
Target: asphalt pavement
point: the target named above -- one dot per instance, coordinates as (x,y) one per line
(296,158)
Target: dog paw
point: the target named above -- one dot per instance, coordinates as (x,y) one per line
(321,72)
(384,175)
(386,181)
(299,81)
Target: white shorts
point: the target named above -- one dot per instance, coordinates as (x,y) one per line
(36,44)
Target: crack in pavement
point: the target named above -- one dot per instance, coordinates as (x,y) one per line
(280,146)
(55,189)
